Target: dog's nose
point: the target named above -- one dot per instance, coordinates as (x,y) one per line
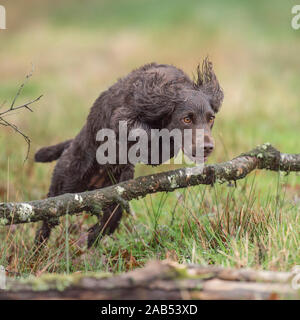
(208,148)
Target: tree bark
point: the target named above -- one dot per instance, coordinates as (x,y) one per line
(262,157)
(158,280)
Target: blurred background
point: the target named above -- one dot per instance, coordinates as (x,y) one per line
(79,48)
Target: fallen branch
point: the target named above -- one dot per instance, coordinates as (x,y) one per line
(262,157)
(158,280)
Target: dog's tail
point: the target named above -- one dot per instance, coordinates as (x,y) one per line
(51,153)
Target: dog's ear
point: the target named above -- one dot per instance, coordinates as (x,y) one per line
(153,98)
(208,83)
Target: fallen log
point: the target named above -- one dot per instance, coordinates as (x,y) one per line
(262,157)
(158,280)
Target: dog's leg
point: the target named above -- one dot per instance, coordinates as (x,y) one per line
(109,222)
(112,215)
(57,187)
(43,234)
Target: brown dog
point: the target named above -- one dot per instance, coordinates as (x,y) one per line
(155,96)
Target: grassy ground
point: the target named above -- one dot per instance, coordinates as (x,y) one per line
(80,48)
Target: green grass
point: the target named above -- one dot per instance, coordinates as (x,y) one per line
(224,225)
(79,49)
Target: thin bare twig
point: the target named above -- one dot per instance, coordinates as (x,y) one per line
(12,108)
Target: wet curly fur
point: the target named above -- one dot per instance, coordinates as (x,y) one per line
(146,98)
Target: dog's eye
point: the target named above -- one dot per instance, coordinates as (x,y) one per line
(211,119)
(187,120)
